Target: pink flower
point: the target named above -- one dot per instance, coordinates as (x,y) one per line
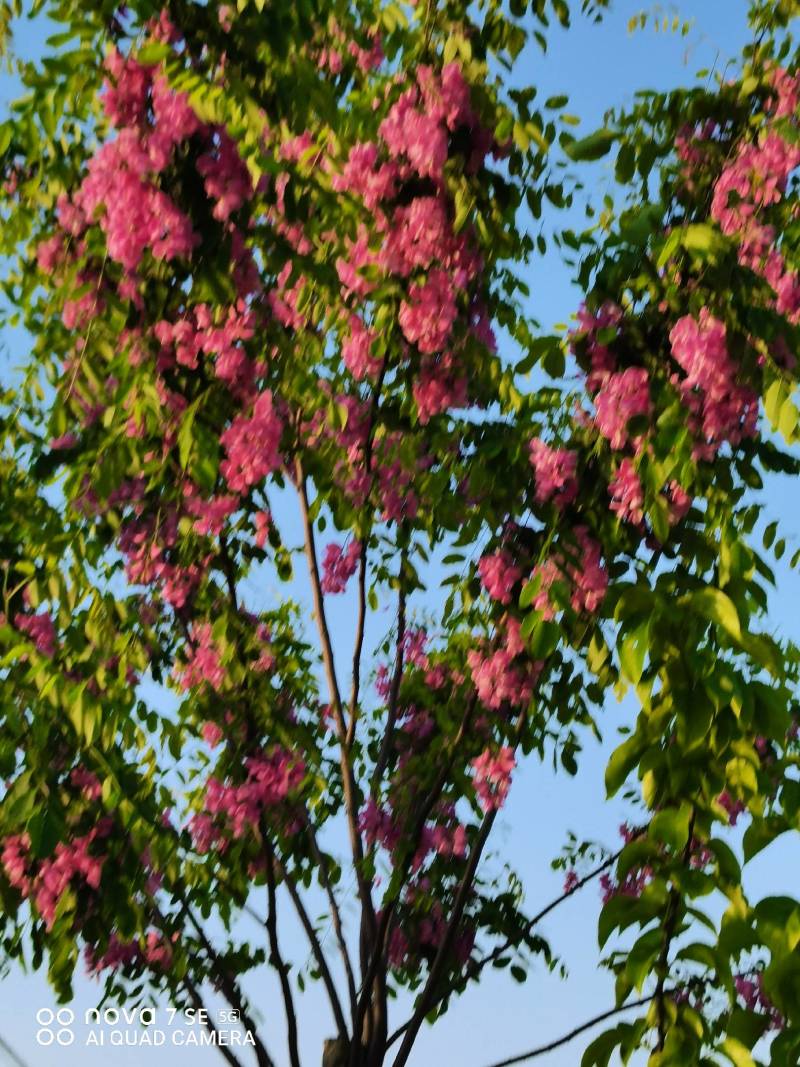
(438,388)
(627,496)
(204,663)
(723,410)
(338,567)
(623,396)
(427,317)
(252,446)
(41,630)
(499,575)
(556,470)
(498,681)
(212,734)
(357,350)
(492,777)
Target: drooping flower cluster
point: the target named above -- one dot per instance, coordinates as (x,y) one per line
(338,566)
(153,951)
(627,496)
(45,882)
(506,675)
(252,445)
(723,410)
(623,396)
(417,240)
(41,630)
(204,663)
(556,473)
(492,777)
(499,575)
(237,810)
(583,572)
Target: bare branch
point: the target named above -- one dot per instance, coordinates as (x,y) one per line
(277,960)
(316,949)
(552,1045)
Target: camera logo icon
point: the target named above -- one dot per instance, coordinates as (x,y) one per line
(55,1027)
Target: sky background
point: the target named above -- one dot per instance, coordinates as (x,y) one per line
(599,67)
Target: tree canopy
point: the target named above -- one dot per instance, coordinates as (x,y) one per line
(273,261)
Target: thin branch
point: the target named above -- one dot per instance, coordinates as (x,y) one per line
(670,925)
(359,644)
(394,692)
(12,1055)
(475,968)
(228,987)
(351,794)
(388,906)
(316,949)
(536,919)
(424,1002)
(277,960)
(552,1045)
(362,570)
(226,1053)
(336,916)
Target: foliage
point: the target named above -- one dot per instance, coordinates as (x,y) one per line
(264,254)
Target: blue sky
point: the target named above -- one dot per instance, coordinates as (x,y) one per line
(599,66)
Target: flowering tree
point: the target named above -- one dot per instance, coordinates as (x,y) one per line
(270,258)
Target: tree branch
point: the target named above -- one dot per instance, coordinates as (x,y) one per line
(552,1045)
(316,949)
(229,988)
(476,967)
(276,959)
(351,794)
(336,916)
(424,1002)
(670,925)
(196,999)
(397,677)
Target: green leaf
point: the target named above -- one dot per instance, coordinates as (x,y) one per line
(632,652)
(737,1053)
(591,148)
(621,763)
(718,608)
(671,826)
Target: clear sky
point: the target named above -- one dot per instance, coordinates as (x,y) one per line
(599,66)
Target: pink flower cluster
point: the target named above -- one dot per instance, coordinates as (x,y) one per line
(71,861)
(378,826)
(499,575)
(204,663)
(623,395)
(498,680)
(723,410)
(155,952)
(750,990)
(427,317)
(556,473)
(585,574)
(418,235)
(439,387)
(357,350)
(271,778)
(252,445)
(492,777)
(41,630)
(220,335)
(338,566)
(627,495)
(226,177)
(87,782)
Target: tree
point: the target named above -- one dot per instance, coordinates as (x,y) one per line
(271,258)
